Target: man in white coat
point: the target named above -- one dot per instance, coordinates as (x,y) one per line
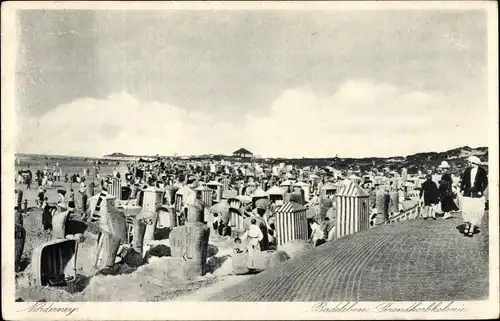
(254,236)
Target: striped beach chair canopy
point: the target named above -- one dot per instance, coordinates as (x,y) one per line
(286,183)
(290,207)
(291,223)
(352,189)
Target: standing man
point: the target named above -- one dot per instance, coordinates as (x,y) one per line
(430,198)
(472,187)
(254,236)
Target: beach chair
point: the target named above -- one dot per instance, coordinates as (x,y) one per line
(54,262)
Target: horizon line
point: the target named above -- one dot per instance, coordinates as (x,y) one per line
(260,157)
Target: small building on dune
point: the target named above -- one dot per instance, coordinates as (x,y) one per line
(243,153)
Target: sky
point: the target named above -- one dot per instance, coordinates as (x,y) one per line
(279,83)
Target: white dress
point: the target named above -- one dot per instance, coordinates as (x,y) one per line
(472,207)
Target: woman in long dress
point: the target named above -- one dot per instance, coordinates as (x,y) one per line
(46,215)
(446,194)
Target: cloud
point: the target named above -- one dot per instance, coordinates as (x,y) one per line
(360,118)
(366,119)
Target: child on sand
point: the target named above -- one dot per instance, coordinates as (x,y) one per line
(237,246)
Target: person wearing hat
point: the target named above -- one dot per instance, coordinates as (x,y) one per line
(446,191)
(429,196)
(61,195)
(472,186)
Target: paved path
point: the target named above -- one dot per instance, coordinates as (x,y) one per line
(408,261)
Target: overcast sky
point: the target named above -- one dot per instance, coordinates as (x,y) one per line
(291,84)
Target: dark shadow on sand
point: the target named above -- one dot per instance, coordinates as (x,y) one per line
(461,229)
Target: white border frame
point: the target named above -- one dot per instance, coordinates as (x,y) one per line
(227,311)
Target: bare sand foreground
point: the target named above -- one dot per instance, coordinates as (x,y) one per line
(146,283)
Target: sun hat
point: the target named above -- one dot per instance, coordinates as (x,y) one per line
(444,164)
(474,160)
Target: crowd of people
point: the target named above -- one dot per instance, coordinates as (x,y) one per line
(469,192)
(244,182)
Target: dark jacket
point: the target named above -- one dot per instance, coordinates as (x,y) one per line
(445,186)
(480,183)
(430,191)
